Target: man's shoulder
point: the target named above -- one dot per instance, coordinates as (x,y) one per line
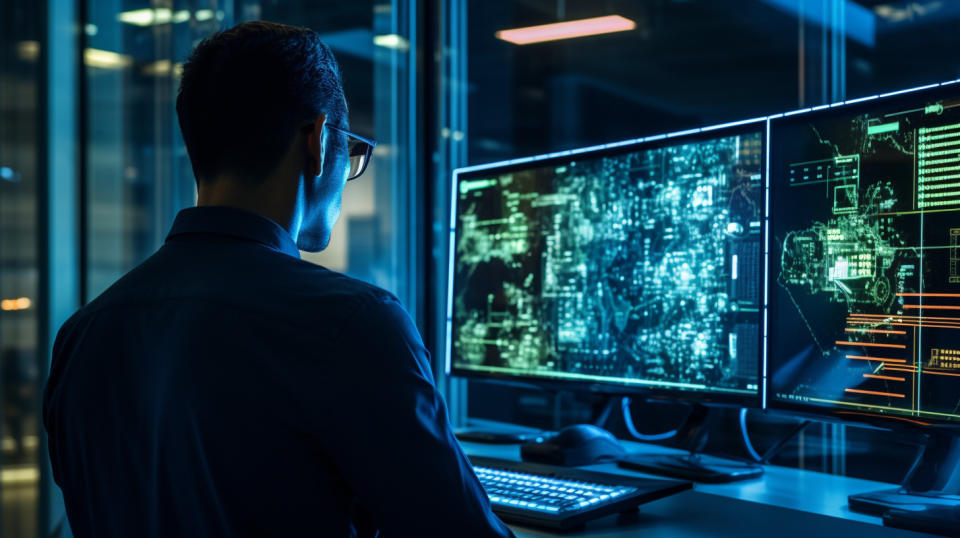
(309,280)
(282,287)
(278,277)
(370,305)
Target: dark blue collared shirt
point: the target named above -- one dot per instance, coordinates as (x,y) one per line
(225,387)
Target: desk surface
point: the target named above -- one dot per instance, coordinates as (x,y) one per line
(785,502)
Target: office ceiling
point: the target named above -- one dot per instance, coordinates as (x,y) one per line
(689,63)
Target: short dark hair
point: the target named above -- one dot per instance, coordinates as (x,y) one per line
(245,90)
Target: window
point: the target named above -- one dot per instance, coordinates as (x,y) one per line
(137,171)
(20,349)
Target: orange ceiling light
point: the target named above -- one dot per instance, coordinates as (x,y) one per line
(21,303)
(566,30)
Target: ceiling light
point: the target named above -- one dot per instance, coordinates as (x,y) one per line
(106,59)
(158,68)
(20,475)
(161,15)
(146,17)
(21,303)
(28,51)
(391,41)
(566,30)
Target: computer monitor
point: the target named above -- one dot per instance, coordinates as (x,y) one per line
(628,267)
(864,275)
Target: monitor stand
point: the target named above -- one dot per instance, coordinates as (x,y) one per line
(494,437)
(934,481)
(695,465)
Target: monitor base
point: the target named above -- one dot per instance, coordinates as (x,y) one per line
(939,520)
(695,467)
(933,481)
(877,502)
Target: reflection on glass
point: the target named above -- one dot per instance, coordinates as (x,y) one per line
(138,173)
(19,361)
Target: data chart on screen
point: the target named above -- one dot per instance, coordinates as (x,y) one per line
(636,266)
(865,258)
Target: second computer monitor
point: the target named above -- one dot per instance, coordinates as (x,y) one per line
(865,271)
(629,267)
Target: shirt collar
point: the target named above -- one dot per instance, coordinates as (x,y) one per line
(234,222)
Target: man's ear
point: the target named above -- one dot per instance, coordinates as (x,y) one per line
(316,141)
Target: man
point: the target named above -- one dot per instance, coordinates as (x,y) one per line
(227,388)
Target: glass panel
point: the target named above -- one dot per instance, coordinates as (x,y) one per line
(913,43)
(19,358)
(683,64)
(138,172)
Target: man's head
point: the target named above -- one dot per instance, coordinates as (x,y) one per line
(252,106)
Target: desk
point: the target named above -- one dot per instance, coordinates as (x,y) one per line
(783,503)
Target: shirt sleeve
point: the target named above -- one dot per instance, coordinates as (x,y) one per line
(402,459)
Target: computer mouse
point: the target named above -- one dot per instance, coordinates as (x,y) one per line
(580,444)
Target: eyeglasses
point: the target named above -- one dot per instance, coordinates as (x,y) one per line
(359,148)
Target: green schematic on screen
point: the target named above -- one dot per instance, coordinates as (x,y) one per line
(865,287)
(637,266)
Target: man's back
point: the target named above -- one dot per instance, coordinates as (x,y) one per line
(227,388)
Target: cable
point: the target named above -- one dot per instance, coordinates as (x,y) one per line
(746,436)
(632,429)
(605,413)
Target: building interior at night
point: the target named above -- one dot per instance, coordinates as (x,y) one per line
(668,268)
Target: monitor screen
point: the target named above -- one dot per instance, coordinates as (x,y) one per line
(637,266)
(864,265)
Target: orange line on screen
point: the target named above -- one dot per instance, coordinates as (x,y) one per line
(869,344)
(877,359)
(925,321)
(930,306)
(902,316)
(928,295)
(875,393)
(932,325)
(940,373)
(890,378)
(898,368)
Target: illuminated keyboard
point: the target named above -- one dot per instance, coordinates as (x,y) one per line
(560,497)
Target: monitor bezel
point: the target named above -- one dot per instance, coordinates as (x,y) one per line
(892,422)
(754,400)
